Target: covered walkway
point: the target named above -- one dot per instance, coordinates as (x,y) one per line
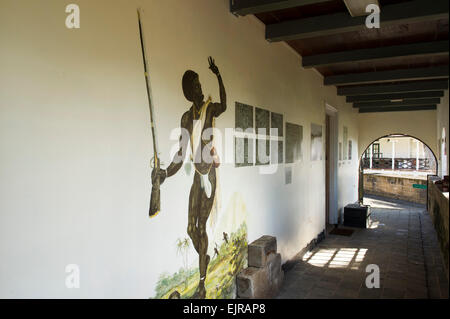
(401,242)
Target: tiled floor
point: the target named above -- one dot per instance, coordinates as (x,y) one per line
(401,242)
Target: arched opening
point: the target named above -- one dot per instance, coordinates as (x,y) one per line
(396,166)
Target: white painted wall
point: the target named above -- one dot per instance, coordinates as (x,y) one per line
(75,140)
(442,125)
(419,124)
(348,169)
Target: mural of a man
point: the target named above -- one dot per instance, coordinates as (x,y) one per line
(198,118)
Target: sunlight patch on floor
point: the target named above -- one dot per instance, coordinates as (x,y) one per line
(374,224)
(336,258)
(359,258)
(384,205)
(343,258)
(319,258)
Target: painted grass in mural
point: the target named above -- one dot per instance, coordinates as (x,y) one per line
(222,271)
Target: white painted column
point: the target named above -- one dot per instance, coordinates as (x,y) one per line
(417,155)
(409,148)
(371,155)
(393,155)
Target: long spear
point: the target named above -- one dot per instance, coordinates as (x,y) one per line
(155,201)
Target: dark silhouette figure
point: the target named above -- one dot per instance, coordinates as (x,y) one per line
(216,251)
(203,189)
(225,237)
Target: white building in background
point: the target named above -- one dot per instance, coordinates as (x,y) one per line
(402,147)
(398,147)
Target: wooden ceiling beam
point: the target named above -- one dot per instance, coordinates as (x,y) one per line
(431,85)
(432,101)
(405,12)
(394,96)
(398,109)
(437,72)
(244,7)
(364,55)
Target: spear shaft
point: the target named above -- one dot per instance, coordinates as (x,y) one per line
(155,202)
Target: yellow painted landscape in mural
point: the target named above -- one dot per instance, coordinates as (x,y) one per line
(228,260)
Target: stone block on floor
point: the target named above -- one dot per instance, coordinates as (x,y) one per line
(259,250)
(264,277)
(261,283)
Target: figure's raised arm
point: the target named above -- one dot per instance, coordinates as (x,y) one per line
(222,106)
